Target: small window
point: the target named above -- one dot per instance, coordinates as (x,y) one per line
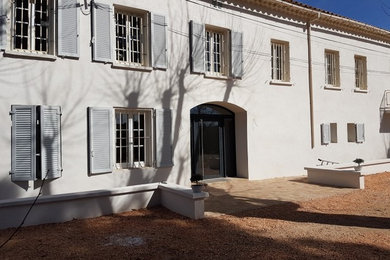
(332,68)
(360,73)
(328,133)
(133,138)
(356,133)
(216,56)
(32,26)
(280,61)
(131,37)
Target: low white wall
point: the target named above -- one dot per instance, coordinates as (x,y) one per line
(334,177)
(370,167)
(66,207)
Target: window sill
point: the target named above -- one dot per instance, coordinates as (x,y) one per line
(30,55)
(331,87)
(357,90)
(281,83)
(131,67)
(215,76)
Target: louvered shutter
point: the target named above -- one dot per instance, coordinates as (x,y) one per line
(159,42)
(360,133)
(23,144)
(325,133)
(197,45)
(163,125)
(100,139)
(68,28)
(101,19)
(3,24)
(236,55)
(50,125)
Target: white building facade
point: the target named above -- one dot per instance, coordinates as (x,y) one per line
(105,95)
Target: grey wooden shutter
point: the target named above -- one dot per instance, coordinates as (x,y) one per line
(360,133)
(50,125)
(236,55)
(163,123)
(101,20)
(68,28)
(23,143)
(3,24)
(197,45)
(100,139)
(159,42)
(325,133)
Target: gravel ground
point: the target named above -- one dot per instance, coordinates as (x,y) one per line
(355,225)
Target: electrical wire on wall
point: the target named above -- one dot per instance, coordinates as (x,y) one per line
(25,217)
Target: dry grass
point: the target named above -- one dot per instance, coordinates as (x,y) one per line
(350,226)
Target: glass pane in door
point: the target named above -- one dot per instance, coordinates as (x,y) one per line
(211,149)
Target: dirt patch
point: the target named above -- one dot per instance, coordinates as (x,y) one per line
(353,225)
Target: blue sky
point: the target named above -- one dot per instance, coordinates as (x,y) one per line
(372,12)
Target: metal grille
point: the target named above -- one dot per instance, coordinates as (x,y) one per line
(360,73)
(131,139)
(214,52)
(332,68)
(279,61)
(129,38)
(21,24)
(41,23)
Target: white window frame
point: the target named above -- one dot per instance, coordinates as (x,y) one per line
(332,68)
(360,73)
(215,36)
(329,133)
(31,32)
(280,61)
(144,28)
(130,161)
(353,135)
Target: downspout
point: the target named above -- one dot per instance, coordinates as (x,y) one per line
(310,71)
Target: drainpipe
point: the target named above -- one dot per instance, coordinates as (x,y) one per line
(310,71)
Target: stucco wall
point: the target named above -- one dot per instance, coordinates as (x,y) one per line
(276,138)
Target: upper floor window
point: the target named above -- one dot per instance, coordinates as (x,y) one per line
(131,37)
(32,26)
(361,72)
(215,51)
(332,68)
(280,65)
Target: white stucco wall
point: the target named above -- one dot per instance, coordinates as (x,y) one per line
(277,130)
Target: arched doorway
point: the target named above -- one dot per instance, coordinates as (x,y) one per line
(213,152)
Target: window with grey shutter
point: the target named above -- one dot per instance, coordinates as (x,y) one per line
(100,139)
(163,150)
(360,133)
(68,28)
(50,128)
(197,45)
(236,54)
(159,42)
(101,24)
(3,24)
(325,133)
(23,143)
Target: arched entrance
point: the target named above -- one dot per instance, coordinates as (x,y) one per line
(213,152)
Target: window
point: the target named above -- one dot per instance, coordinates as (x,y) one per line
(215,52)
(355,133)
(332,68)
(328,133)
(141,138)
(133,138)
(35,142)
(32,26)
(280,67)
(131,37)
(360,73)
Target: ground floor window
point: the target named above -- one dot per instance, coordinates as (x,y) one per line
(133,140)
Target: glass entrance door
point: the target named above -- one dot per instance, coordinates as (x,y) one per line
(207,148)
